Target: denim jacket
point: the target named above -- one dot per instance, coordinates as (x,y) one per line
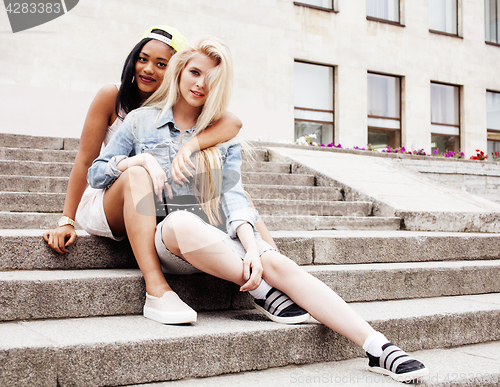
(141,132)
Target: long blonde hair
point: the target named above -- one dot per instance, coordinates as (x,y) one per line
(219,82)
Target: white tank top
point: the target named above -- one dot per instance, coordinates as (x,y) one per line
(111,130)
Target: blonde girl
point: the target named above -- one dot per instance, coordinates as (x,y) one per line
(194,95)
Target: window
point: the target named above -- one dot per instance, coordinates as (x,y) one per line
(384,111)
(492,16)
(443,16)
(383,10)
(313,100)
(321,4)
(445,118)
(493,121)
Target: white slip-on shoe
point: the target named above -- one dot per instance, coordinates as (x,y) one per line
(168,309)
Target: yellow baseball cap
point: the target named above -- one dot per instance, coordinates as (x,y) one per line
(176,40)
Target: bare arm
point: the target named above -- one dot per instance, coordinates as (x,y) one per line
(252,266)
(99,115)
(156,172)
(223,130)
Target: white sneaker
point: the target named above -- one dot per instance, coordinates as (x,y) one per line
(168,309)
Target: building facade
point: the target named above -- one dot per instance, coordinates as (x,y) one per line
(419,74)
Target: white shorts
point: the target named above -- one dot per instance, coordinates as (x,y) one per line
(172,264)
(90,214)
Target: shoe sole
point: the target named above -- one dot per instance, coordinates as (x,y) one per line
(283,320)
(170,318)
(406,377)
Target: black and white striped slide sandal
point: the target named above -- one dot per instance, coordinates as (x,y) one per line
(280,308)
(397,364)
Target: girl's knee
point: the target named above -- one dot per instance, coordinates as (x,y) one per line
(179,229)
(180,223)
(133,178)
(136,174)
(277,262)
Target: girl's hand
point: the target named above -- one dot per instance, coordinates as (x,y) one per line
(178,168)
(252,270)
(157,174)
(56,238)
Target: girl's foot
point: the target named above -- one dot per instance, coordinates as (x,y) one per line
(168,309)
(280,308)
(397,364)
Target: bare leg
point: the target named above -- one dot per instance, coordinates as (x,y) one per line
(313,295)
(261,226)
(188,237)
(133,188)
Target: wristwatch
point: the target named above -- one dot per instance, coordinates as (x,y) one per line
(64,220)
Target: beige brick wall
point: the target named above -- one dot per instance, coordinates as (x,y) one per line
(69,59)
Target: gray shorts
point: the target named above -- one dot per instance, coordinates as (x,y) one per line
(172,264)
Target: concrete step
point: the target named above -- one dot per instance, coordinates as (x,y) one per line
(54,202)
(29,220)
(104,351)
(374,246)
(256,154)
(276,179)
(37,142)
(20,183)
(289,215)
(17,150)
(475,365)
(34,294)
(398,281)
(15,183)
(266,166)
(63,169)
(43,155)
(26,249)
(35,168)
(31,202)
(311,223)
(285,192)
(280,207)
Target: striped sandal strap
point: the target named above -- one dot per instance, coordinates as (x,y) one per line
(277,302)
(392,357)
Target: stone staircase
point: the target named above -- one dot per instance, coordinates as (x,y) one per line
(75,320)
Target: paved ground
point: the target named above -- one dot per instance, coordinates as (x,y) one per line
(387,182)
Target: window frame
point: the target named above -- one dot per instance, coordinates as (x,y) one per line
(332,112)
(457,34)
(496,131)
(498,25)
(400,119)
(387,21)
(488,130)
(459,135)
(301,4)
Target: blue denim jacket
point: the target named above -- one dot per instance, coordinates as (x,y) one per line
(140,133)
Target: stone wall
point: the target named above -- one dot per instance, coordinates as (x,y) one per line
(49,74)
(476,177)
